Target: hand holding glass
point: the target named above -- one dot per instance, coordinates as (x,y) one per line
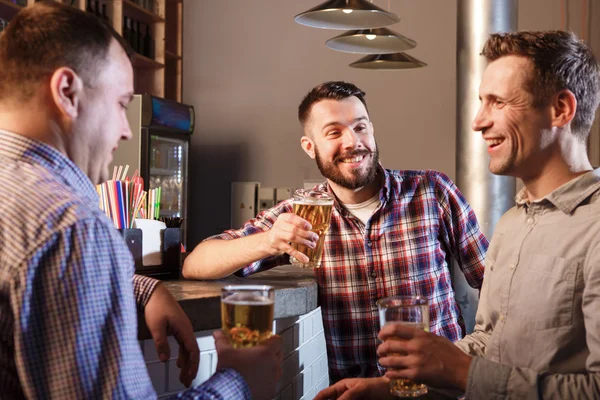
(408,310)
(314,206)
(247,314)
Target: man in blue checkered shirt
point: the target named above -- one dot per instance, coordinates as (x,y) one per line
(68,323)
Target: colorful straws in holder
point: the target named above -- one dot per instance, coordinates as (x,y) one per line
(123,199)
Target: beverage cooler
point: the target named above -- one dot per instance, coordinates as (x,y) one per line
(159,149)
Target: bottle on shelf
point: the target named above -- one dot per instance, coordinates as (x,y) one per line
(140,39)
(97,9)
(148,44)
(134,36)
(127,29)
(105,15)
(88,7)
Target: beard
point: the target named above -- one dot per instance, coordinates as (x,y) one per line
(331,171)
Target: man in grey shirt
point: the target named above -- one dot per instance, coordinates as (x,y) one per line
(537,332)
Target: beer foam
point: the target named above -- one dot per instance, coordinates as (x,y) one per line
(247,299)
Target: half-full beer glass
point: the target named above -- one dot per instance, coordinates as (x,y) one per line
(314,206)
(247,314)
(408,310)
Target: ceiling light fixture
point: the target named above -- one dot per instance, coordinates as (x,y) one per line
(370,41)
(346,14)
(388,61)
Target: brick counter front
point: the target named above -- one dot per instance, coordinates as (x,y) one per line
(297,319)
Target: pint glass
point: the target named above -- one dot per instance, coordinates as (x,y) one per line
(314,206)
(247,314)
(408,310)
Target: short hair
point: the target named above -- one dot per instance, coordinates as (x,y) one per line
(47,36)
(334,90)
(560,61)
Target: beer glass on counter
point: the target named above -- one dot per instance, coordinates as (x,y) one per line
(247,314)
(314,206)
(407,310)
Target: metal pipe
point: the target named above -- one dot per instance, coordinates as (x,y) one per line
(489,195)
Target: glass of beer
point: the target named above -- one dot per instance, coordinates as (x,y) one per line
(247,314)
(314,206)
(407,310)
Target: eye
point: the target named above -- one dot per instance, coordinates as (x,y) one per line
(332,133)
(360,128)
(123,106)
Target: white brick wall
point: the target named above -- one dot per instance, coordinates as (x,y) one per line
(304,366)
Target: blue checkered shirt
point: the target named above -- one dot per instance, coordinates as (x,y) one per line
(68,323)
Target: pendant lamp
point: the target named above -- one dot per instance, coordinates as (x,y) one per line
(346,14)
(388,61)
(371,41)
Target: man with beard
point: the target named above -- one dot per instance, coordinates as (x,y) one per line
(391,233)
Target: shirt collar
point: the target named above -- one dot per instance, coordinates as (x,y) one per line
(384,192)
(20,148)
(568,196)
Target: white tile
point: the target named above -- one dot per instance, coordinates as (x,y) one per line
(205,340)
(317,322)
(173,347)
(310,395)
(287,338)
(290,368)
(213,366)
(323,384)
(150,354)
(204,369)
(297,385)
(308,353)
(321,346)
(307,329)
(306,380)
(287,393)
(173,383)
(319,370)
(284,323)
(158,375)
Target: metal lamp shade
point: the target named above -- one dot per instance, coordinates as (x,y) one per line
(346,14)
(388,61)
(371,41)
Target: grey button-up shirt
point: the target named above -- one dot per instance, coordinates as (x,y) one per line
(537,332)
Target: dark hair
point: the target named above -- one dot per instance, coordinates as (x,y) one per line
(560,61)
(334,90)
(49,35)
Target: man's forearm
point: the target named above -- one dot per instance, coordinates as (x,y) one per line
(217,258)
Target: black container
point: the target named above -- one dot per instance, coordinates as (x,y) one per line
(171,253)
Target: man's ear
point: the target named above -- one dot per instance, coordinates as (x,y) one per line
(564,106)
(308,146)
(66,88)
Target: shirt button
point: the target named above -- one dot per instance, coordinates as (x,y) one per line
(530,220)
(373,275)
(369,244)
(501,317)
(511,266)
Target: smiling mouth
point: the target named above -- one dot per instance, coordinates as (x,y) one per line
(491,143)
(352,160)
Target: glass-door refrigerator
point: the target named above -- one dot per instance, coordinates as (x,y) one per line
(159,148)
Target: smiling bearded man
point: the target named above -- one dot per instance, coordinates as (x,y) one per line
(391,233)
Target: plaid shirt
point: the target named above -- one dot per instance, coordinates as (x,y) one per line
(402,250)
(68,323)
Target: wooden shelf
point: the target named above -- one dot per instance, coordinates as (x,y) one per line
(8,9)
(138,13)
(172,56)
(143,62)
